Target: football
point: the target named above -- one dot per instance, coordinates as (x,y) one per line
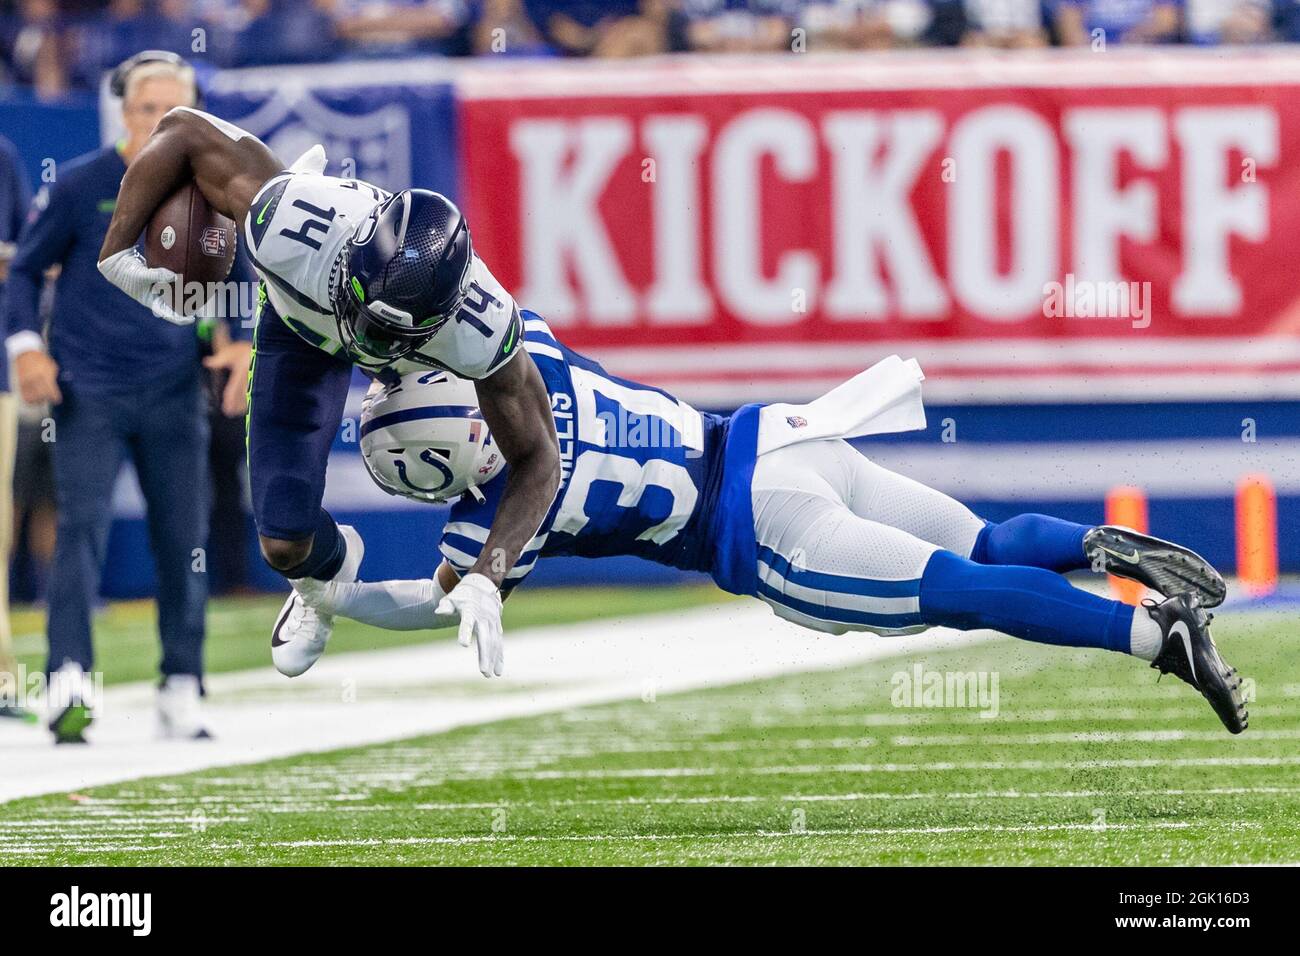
(191,238)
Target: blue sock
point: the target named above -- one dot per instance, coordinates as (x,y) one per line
(327,552)
(1030,603)
(1034,541)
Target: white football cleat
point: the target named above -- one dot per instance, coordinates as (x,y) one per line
(301,632)
(179,716)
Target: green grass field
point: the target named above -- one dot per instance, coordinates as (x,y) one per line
(1088,761)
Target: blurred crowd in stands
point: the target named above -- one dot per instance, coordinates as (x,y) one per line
(59,46)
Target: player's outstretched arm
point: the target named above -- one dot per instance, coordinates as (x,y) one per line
(392,605)
(517,409)
(228,165)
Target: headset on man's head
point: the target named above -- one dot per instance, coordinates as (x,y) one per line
(117,82)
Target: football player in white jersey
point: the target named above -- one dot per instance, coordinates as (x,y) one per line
(351,275)
(772,502)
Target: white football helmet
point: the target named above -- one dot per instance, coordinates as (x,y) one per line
(424,437)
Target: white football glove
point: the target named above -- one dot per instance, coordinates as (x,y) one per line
(154,288)
(478,602)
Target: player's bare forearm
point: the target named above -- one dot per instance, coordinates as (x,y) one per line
(228,172)
(517,409)
(159,169)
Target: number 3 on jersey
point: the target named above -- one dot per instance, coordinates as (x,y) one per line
(635,470)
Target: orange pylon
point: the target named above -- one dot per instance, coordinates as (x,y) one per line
(1257,535)
(1127,506)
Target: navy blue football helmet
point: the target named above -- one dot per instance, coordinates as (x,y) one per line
(401,276)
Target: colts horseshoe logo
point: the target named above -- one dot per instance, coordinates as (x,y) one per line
(427,456)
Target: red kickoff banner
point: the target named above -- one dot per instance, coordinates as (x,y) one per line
(1075,227)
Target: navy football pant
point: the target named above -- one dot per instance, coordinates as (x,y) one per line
(296,401)
(165,435)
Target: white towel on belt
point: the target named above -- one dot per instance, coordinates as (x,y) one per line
(312,161)
(885,398)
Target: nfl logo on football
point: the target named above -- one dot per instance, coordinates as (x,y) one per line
(213,241)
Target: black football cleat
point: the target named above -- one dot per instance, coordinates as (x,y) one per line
(1162,566)
(1188,652)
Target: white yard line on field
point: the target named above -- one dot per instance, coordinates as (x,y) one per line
(938,766)
(365,698)
(111,814)
(728,836)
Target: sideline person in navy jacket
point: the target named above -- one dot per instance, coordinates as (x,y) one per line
(123,384)
(13,202)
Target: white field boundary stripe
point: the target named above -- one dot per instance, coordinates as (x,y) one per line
(938,766)
(403,692)
(112,822)
(506,838)
(841,798)
(112,809)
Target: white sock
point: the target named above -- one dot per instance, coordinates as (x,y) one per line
(1145,638)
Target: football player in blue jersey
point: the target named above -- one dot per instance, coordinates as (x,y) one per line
(771,502)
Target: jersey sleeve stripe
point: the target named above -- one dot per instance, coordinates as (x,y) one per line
(459,559)
(538,325)
(462,553)
(262,209)
(478,534)
(510,342)
(475,532)
(540,348)
(464,544)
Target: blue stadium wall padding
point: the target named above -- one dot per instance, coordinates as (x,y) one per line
(41,131)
